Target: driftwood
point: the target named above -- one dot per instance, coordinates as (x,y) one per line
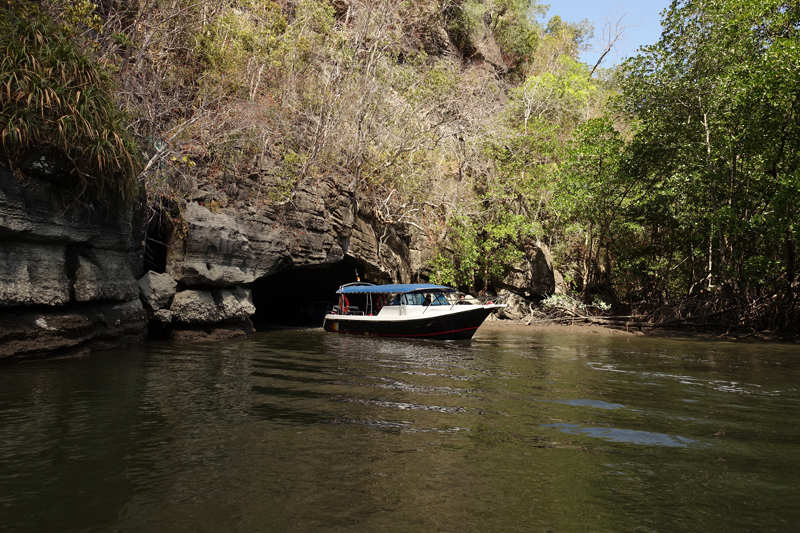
(773,314)
(626,321)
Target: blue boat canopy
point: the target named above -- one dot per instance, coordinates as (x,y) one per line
(398,288)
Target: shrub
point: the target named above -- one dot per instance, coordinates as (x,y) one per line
(55,94)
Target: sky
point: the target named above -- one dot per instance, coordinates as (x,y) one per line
(642,17)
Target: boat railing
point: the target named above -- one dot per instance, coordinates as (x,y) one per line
(468,299)
(353,310)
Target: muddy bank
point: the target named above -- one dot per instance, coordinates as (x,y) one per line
(580,327)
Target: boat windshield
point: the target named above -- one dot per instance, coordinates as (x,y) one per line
(420,298)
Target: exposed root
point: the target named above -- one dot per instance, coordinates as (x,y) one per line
(721,312)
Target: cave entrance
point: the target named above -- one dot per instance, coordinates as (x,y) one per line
(300,296)
(155,243)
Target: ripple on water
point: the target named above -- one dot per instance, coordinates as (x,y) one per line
(586,403)
(407,406)
(625,435)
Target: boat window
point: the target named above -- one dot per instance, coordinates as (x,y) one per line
(439,299)
(414,298)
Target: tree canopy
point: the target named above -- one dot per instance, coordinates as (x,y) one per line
(716,145)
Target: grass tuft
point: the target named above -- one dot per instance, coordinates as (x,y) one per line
(53,93)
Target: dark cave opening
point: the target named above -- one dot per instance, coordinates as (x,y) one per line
(155,245)
(300,297)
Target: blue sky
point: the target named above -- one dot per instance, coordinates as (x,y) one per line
(642,17)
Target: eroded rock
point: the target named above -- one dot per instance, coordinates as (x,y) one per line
(156,291)
(517,307)
(532,277)
(67,269)
(74,331)
(209,307)
(104,275)
(33,274)
(215,250)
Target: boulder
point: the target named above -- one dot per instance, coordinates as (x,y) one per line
(209,307)
(532,277)
(156,290)
(518,307)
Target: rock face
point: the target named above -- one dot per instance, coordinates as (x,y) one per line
(68,276)
(486,47)
(67,272)
(225,251)
(211,307)
(204,292)
(235,247)
(518,307)
(69,331)
(533,277)
(33,274)
(215,252)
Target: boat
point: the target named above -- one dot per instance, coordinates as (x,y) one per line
(417,310)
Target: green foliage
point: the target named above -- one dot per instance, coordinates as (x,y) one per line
(237,45)
(593,197)
(515,28)
(53,93)
(513,23)
(572,35)
(464,19)
(593,187)
(307,35)
(480,250)
(457,267)
(718,142)
(561,95)
(494,236)
(79,15)
(290,172)
(431,85)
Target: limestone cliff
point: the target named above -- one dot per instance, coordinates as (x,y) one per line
(202,260)
(221,253)
(67,272)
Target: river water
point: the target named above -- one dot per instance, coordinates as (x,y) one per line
(302,430)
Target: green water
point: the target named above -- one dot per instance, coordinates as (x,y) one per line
(301,430)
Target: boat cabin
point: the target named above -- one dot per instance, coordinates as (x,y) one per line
(392,300)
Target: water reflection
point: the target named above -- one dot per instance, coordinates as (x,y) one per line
(624,435)
(301,430)
(599,404)
(660,379)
